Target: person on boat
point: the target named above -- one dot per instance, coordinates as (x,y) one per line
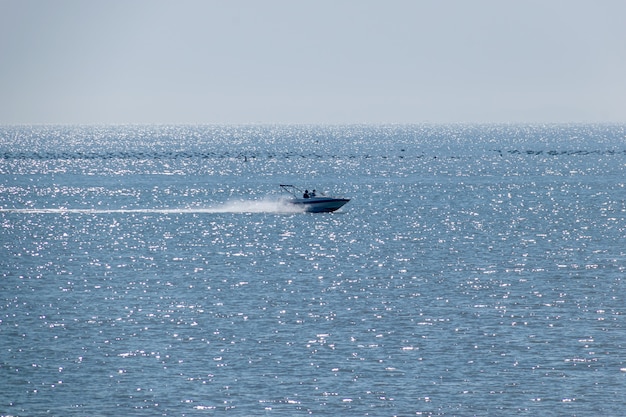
(313,194)
(306,194)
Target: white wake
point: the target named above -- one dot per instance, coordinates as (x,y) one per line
(232,206)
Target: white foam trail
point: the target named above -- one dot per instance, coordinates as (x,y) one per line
(238,206)
(253,206)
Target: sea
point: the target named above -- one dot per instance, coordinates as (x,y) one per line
(478,270)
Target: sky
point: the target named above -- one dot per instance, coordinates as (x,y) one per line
(312,62)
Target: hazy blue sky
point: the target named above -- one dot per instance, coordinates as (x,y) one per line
(322,61)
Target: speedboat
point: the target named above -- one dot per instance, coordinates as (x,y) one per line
(313,203)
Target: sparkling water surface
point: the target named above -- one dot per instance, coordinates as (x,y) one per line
(155,270)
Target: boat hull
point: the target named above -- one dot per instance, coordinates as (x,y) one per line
(320,204)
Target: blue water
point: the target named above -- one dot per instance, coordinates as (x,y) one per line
(477,270)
